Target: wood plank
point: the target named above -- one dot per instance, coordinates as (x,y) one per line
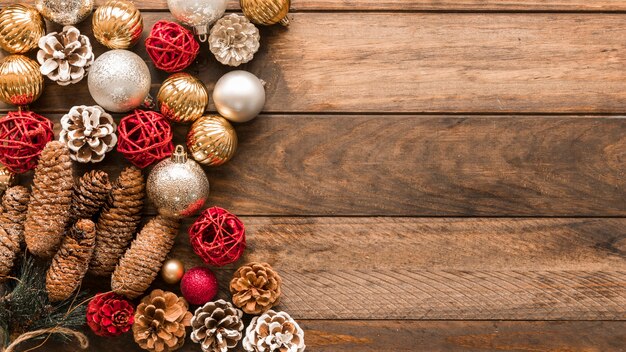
(425,62)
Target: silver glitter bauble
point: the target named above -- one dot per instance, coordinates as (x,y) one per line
(65,12)
(178,186)
(198,14)
(239,96)
(119,80)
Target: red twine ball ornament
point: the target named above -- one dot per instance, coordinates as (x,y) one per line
(171,46)
(23,135)
(109,315)
(144,137)
(199,286)
(218,237)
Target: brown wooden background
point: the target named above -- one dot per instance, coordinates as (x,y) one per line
(430,175)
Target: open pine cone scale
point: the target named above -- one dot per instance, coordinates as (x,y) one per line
(65,56)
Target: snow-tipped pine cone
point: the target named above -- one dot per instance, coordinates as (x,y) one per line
(274,332)
(234,40)
(89,133)
(217,326)
(65,57)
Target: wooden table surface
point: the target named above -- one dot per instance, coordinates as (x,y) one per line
(428,175)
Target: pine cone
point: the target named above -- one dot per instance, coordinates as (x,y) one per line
(89,133)
(90,195)
(142,261)
(160,322)
(274,332)
(12,217)
(70,264)
(118,221)
(255,288)
(65,57)
(217,326)
(234,40)
(48,210)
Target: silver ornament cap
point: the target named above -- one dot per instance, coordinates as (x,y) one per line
(198,14)
(178,186)
(239,96)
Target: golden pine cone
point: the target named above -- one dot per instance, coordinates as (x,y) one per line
(12,217)
(274,331)
(142,261)
(90,194)
(255,288)
(160,322)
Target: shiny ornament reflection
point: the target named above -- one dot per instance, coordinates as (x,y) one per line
(198,14)
(117,24)
(65,12)
(172,271)
(21,27)
(21,82)
(239,96)
(212,140)
(182,98)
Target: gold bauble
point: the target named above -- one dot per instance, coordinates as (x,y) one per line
(65,12)
(7,178)
(21,81)
(172,271)
(21,27)
(117,24)
(182,98)
(212,140)
(266,12)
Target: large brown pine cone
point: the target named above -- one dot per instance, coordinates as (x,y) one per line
(217,326)
(274,332)
(90,194)
(118,221)
(70,264)
(142,261)
(49,207)
(255,288)
(12,217)
(160,322)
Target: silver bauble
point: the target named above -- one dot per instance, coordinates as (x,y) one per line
(178,186)
(65,12)
(198,14)
(119,80)
(239,96)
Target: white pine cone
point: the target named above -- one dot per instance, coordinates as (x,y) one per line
(217,326)
(88,132)
(65,57)
(274,332)
(234,40)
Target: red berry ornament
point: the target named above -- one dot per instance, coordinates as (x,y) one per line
(218,237)
(109,315)
(144,137)
(23,135)
(171,46)
(199,286)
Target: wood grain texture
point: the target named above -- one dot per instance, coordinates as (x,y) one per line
(421,63)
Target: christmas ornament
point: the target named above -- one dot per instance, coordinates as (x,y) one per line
(70,264)
(274,331)
(65,57)
(199,14)
(266,12)
(14,205)
(218,237)
(255,288)
(110,315)
(234,40)
(160,322)
(182,98)
(178,186)
(118,221)
(217,326)
(117,24)
(23,135)
(119,80)
(239,96)
(21,82)
(142,261)
(65,12)
(7,178)
(171,46)
(21,26)
(199,285)
(144,137)
(172,271)
(89,133)
(49,207)
(212,140)
(91,192)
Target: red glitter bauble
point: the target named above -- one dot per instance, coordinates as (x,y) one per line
(109,314)
(144,137)
(218,237)
(171,46)
(199,285)
(23,135)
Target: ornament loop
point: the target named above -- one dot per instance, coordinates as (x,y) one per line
(179,155)
(201,31)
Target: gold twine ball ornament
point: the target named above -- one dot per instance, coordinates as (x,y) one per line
(21,26)
(65,12)
(212,140)
(7,178)
(172,271)
(266,12)
(117,24)
(182,98)
(21,81)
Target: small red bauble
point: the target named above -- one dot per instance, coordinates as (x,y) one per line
(171,46)
(144,137)
(218,237)
(23,135)
(199,285)
(109,315)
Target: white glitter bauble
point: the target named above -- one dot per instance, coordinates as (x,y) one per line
(239,96)
(65,12)
(198,14)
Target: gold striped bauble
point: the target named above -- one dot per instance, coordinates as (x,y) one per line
(21,81)
(182,98)
(117,24)
(21,27)
(212,140)
(266,12)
